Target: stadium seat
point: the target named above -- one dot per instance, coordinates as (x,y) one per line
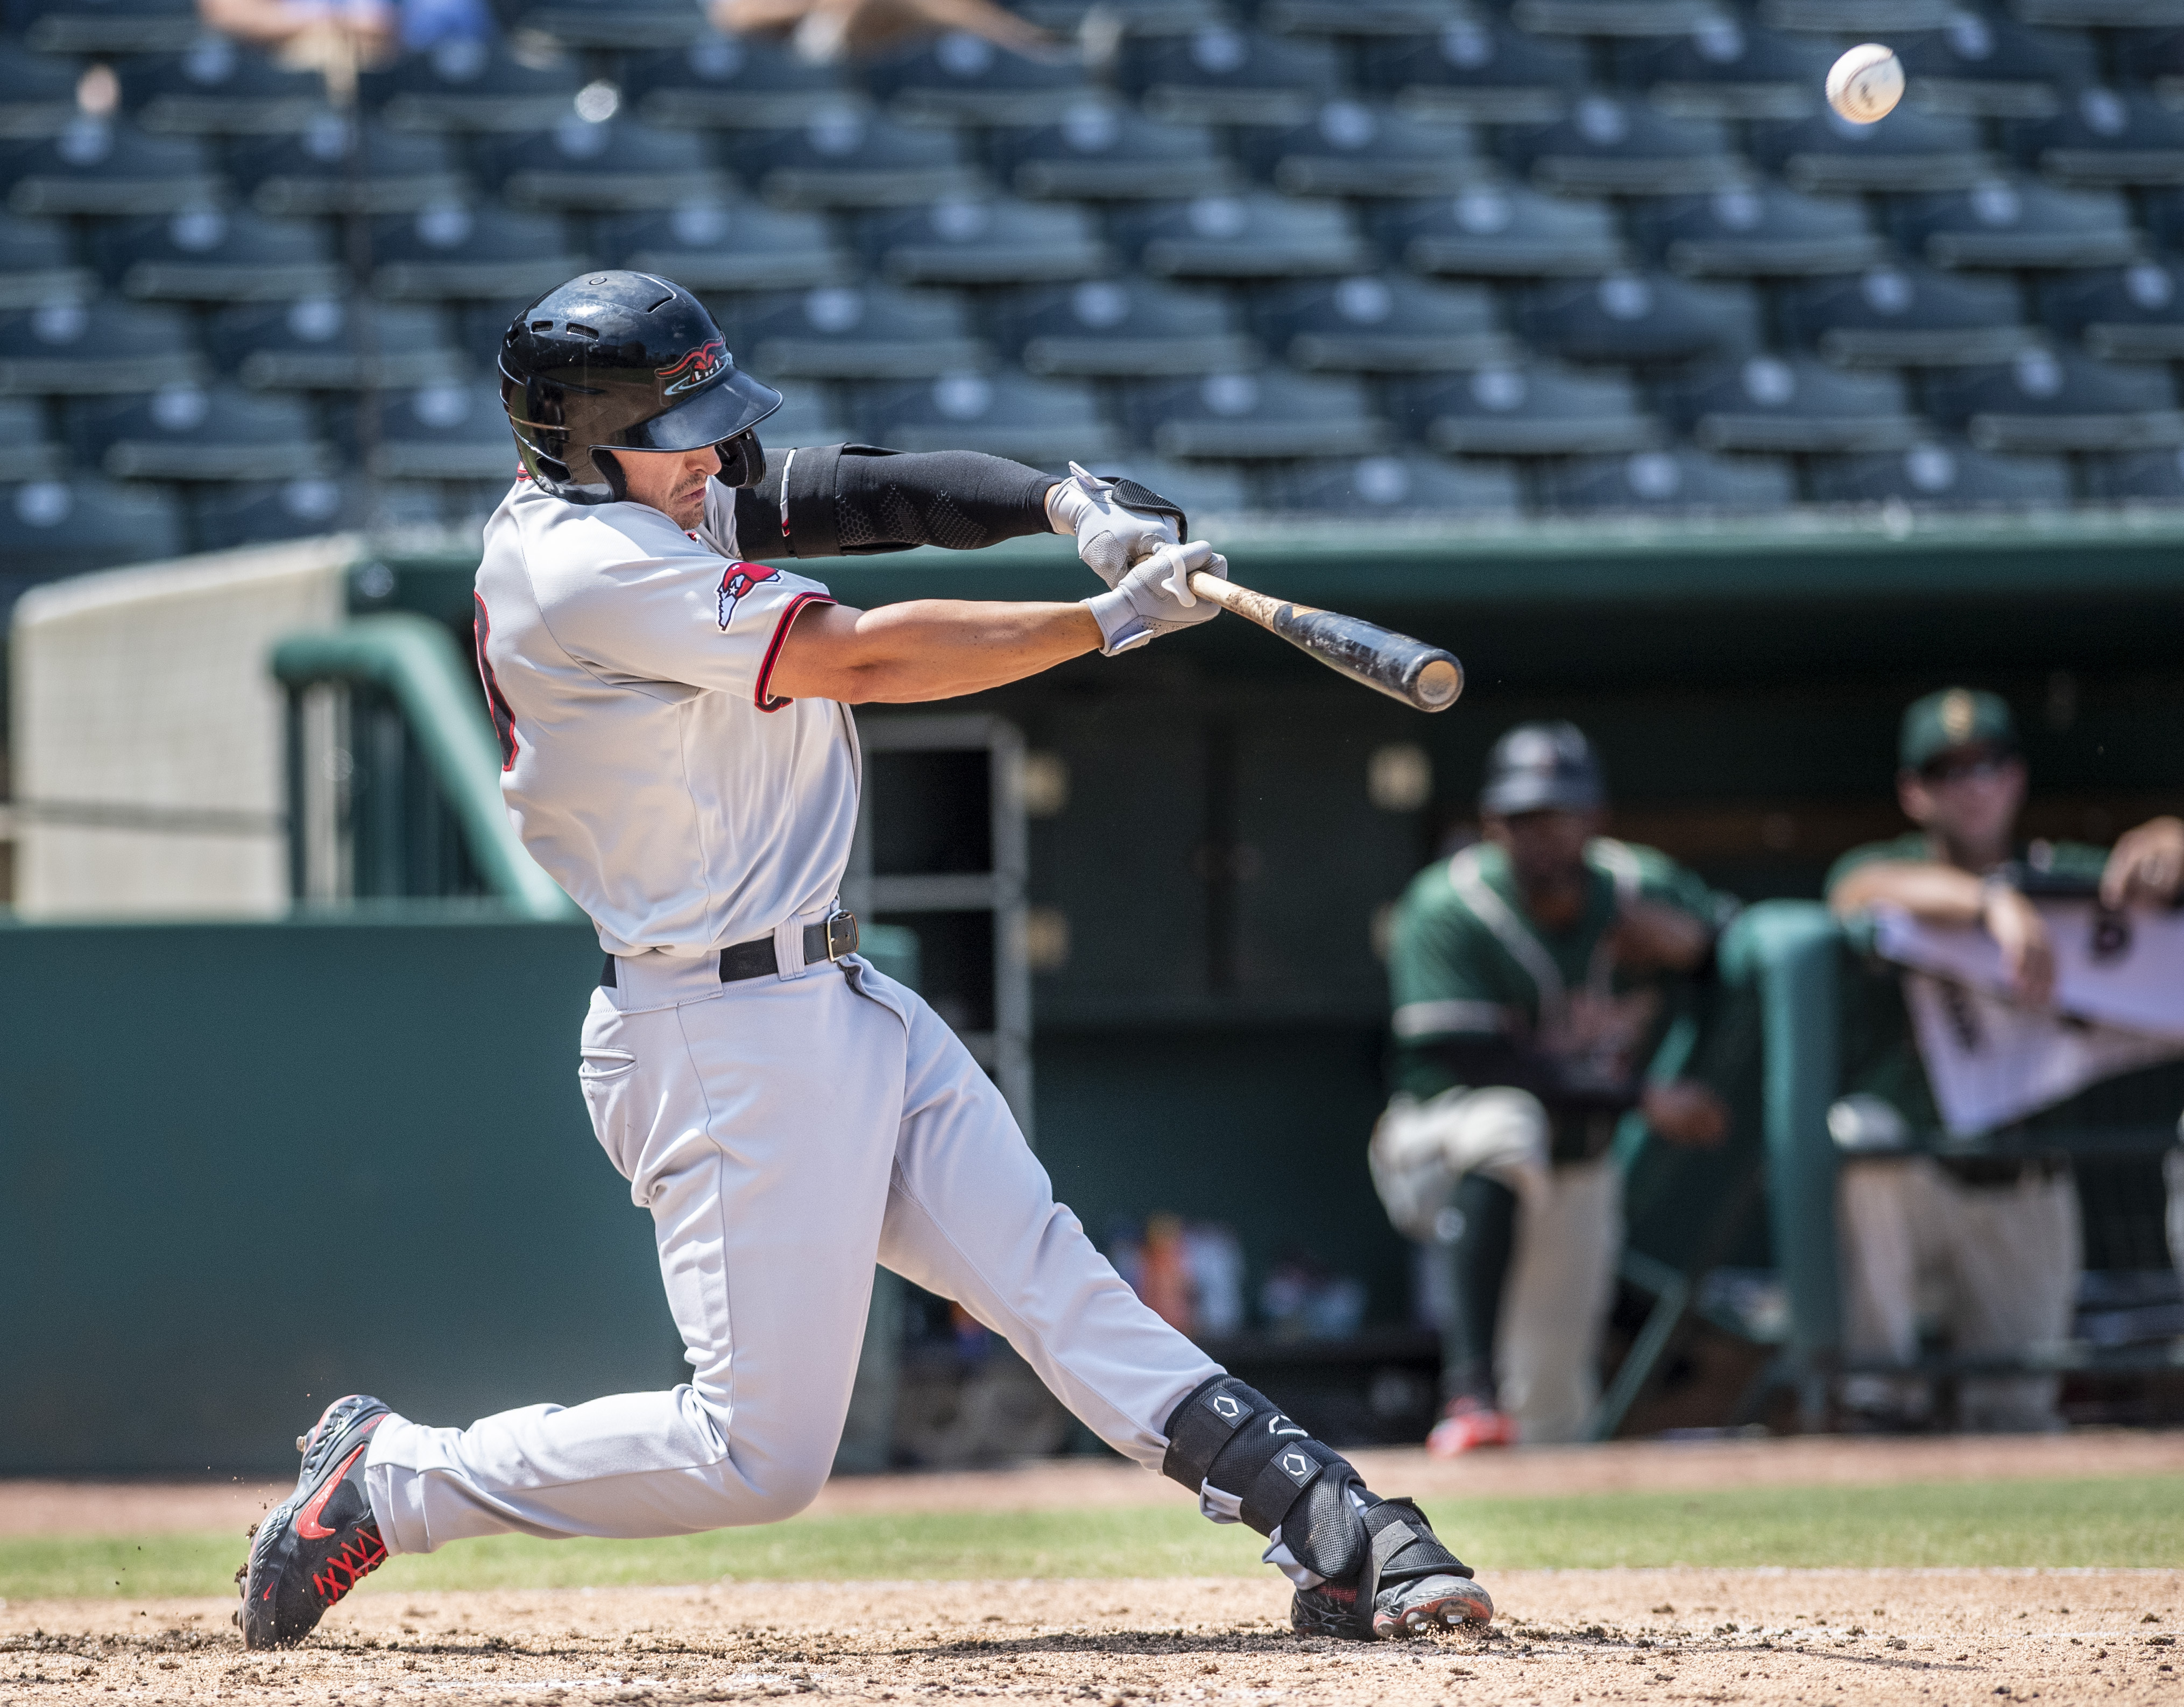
(1613,147)
(208,254)
(311,175)
(1943,475)
(37,262)
(1349,149)
(1677,482)
(1479,69)
(2135,477)
(1204,489)
(37,91)
(451,250)
(217,87)
(1908,150)
(2161,212)
(728,83)
(2131,314)
(30,454)
(1123,18)
(1223,74)
(1395,484)
(809,415)
(325,343)
(1990,67)
(1493,231)
(54,528)
(2052,401)
(961,79)
(1380,323)
(838,332)
(1256,235)
(1856,20)
(2020,223)
(1124,328)
(611,167)
(1791,404)
(67,347)
(1043,421)
(1356,18)
(985,242)
(107,26)
(842,157)
(445,432)
(1639,317)
(1265,413)
(627,23)
(1756,230)
(725,244)
(1612,17)
(187,432)
(1529,412)
(2104,136)
(2151,57)
(467,85)
(258,513)
(99,168)
(1725,69)
(1893,316)
(1097,151)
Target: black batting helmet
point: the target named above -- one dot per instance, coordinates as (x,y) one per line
(623,359)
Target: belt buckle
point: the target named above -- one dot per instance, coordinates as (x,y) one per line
(841,935)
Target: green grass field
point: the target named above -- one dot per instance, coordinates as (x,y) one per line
(2123,1521)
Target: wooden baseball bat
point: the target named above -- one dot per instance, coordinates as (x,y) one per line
(1425,677)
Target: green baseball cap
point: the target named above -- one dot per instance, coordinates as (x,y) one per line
(1954,717)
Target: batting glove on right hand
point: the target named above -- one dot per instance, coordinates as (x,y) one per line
(1155,598)
(1110,538)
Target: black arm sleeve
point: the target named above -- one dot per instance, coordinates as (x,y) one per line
(838,500)
(1480,1061)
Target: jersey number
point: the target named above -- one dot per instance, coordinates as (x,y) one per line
(504,720)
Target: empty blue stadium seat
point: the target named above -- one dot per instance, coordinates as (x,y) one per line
(258,513)
(1639,317)
(107,26)
(1991,67)
(1677,482)
(2131,314)
(1494,231)
(841,332)
(1907,150)
(1349,149)
(452,250)
(467,85)
(728,83)
(613,166)
(961,79)
(1725,69)
(844,157)
(311,174)
(1124,327)
(96,167)
(1529,412)
(1943,474)
(2104,136)
(327,343)
(210,255)
(963,240)
(2054,401)
(445,432)
(187,432)
(2017,223)
(1477,68)
(217,87)
(809,415)
(1755,231)
(31,455)
(1097,151)
(1223,74)
(1856,20)
(1043,421)
(2151,57)
(2135,477)
(1357,19)
(66,348)
(54,528)
(1395,484)
(37,91)
(625,24)
(1255,234)
(1124,17)
(727,244)
(1381,323)
(2163,213)
(1893,316)
(1612,17)
(1791,404)
(1261,415)
(38,263)
(1610,146)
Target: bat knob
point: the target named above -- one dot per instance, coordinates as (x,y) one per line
(1437,683)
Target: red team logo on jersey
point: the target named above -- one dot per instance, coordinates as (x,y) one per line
(693,369)
(739,580)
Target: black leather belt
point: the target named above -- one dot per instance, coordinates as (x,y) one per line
(829,939)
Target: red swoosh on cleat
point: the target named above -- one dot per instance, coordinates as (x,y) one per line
(307,1520)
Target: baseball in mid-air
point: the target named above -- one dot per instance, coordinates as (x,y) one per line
(1866,83)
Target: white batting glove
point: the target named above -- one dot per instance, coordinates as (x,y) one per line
(1109,538)
(1154,598)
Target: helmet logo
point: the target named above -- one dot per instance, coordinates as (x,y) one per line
(693,369)
(739,580)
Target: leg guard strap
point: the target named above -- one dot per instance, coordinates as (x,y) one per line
(1231,1446)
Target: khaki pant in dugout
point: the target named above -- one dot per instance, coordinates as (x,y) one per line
(2002,1261)
(1569,1238)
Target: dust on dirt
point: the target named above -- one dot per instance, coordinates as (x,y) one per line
(1935,1638)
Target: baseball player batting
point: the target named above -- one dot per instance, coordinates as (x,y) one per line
(677,751)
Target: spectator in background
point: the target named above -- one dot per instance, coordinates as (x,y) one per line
(1995,1238)
(1532,978)
(337,37)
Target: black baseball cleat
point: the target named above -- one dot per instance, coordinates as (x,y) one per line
(1408,1584)
(322,1541)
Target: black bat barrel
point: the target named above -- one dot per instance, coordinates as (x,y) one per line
(1425,677)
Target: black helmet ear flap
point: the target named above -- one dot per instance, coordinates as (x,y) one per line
(742,460)
(610,472)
